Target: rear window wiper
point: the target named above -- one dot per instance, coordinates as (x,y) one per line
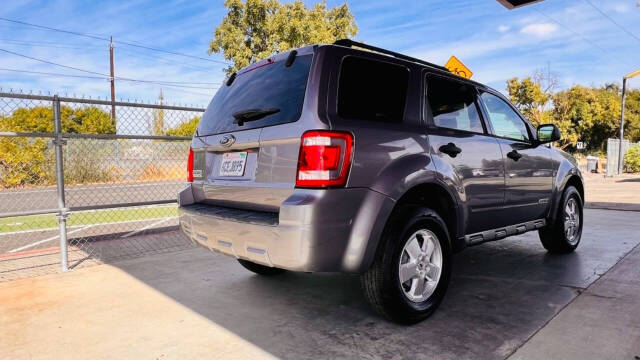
(244,116)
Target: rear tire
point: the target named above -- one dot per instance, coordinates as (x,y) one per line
(411,272)
(563,236)
(260,269)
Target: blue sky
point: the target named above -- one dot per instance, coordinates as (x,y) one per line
(580,45)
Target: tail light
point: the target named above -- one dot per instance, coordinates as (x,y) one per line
(325,159)
(190,166)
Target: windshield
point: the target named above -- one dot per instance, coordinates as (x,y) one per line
(272,86)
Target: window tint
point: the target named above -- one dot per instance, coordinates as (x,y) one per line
(505,121)
(452,104)
(271,86)
(372,90)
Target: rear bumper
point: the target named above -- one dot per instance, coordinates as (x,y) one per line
(315,230)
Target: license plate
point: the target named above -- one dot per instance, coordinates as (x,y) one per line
(233,163)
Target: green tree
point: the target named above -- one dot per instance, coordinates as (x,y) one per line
(582,113)
(588,114)
(28,161)
(530,99)
(632,159)
(573,114)
(187,128)
(91,120)
(632,115)
(256,29)
(606,123)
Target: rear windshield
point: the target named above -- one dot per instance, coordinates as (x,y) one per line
(272,86)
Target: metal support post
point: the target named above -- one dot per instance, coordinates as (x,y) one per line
(58,143)
(620,151)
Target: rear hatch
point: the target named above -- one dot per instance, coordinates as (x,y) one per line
(247,143)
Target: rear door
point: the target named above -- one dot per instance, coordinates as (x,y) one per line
(529,174)
(246,146)
(466,156)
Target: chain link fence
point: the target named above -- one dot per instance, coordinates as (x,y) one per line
(79,187)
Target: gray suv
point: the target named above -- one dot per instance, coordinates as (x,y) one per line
(351,158)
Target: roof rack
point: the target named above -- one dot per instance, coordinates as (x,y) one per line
(351,43)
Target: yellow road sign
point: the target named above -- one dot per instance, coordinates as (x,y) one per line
(457,67)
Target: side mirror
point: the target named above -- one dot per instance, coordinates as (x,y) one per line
(548,133)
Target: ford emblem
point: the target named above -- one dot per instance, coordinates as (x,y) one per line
(227,140)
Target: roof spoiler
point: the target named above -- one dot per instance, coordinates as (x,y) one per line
(351,43)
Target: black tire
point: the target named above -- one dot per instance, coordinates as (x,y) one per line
(554,237)
(260,269)
(381,283)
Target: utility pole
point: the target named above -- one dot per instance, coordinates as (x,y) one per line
(113,81)
(624,91)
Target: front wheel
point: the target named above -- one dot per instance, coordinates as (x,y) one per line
(410,276)
(564,234)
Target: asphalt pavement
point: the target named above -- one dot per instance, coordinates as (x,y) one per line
(15,243)
(192,304)
(88,195)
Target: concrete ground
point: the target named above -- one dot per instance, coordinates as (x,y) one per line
(506,298)
(621,192)
(602,323)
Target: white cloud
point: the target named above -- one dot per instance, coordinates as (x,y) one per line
(621,8)
(539,29)
(503,28)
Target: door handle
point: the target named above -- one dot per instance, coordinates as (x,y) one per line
(450,149)
(514,155)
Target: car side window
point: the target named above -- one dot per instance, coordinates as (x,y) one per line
(504,120)
(452,104)
(372,90)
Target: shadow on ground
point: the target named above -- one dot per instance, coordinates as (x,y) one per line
(635,179)
(501,293)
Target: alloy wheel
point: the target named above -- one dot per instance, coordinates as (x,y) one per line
(420,265)
(572,220)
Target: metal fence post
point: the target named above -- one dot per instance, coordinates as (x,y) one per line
(58,143)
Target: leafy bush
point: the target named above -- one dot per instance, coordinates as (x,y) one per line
(632,159)
(82,169)
(185,129)
(153,172)
(25,161)
(29,161)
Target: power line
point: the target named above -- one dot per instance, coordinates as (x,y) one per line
(613,21)
(158,58)
(40,73)
(162,83)
(54,29)
(175,87)
(51,62)
(171,52)
(107,39)
(105,76)
(592,43)
(49,45)
(136,53)
(54,74)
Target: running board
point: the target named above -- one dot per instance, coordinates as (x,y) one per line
(501,233)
